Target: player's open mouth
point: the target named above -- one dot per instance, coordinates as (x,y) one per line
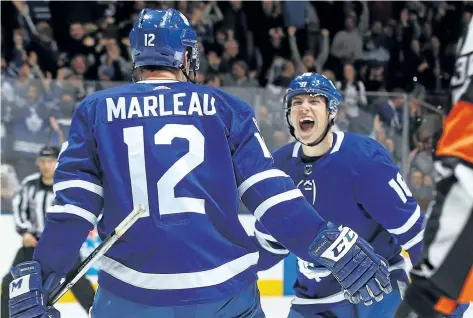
(306,124)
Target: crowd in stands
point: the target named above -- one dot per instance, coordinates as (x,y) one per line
(54,53)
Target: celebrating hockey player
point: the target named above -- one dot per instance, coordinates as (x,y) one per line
(351,180)
(183,151)
(444,277)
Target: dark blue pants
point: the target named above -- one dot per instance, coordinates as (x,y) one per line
(246,304)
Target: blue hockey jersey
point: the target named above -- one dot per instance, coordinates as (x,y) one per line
(354,184)
(186,152)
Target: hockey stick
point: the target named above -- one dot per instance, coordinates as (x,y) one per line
(73,276)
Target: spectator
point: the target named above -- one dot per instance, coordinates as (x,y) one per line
(416,183)
(383,139)
(436,78)
(347,45)
(264,123)
(213,61)
(235,20)
(31,126)
(80,68)
(376,44)
(9,185)
(213,80)
(341,121)
(421,157)
(330,75)
(280,138)
(427,192)
(239,76)
(113,58)
(408,28)
(308,63)
(375,77)
(77,41)
(203,27)
(353,93)
(18,56)
(212,13)
(389,114)
(287,74)
(229,56)
(415,113)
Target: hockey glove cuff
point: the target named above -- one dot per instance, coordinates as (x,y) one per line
(28,295)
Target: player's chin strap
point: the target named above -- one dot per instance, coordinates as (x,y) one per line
(331,122)
(183,70)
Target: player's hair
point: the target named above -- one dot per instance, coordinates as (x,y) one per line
(157,68)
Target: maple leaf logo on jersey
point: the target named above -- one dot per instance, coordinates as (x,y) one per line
(308,186)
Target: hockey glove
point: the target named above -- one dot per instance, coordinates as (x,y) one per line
(362,273)
(28,295)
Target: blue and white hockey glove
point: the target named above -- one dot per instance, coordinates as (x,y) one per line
(28,295)
(362,273)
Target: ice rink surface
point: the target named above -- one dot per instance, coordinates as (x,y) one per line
(274,307)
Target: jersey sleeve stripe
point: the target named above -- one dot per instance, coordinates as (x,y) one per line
(264,244)
(338,143)
(409,223)
(416,239)
(176,281)
(72,209)
(86,185)
(314,301)
(267,237)
(272,173)
(295,150)
(274,200)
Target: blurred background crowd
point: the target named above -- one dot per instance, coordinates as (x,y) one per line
(392,61)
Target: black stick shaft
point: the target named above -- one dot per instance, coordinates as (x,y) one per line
(73,276)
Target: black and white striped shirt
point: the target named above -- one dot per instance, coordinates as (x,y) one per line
(30,203)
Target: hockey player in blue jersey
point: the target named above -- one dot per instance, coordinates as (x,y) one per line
(184,151)
(351,180)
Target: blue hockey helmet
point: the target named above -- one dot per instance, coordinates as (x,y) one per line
(313,84)
(161,38)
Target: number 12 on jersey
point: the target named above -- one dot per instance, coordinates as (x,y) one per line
(167,201)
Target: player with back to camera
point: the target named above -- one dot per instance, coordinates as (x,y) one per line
(351,180)
(183,151)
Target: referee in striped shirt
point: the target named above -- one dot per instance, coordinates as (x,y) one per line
(29,207)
